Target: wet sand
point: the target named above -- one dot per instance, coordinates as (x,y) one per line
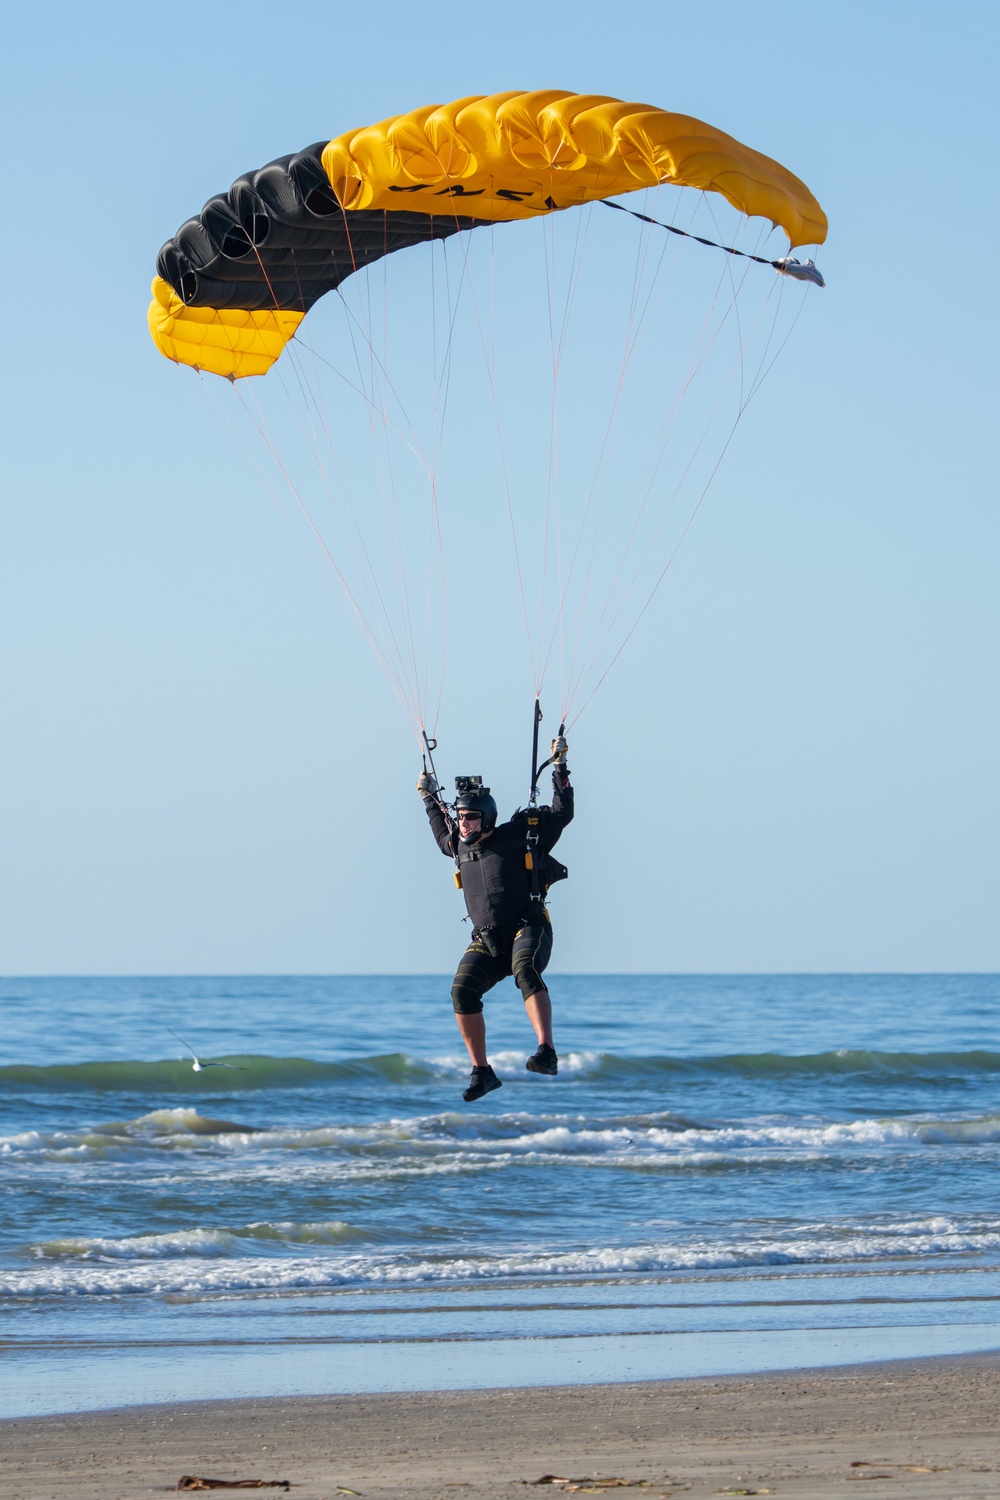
(922,1428)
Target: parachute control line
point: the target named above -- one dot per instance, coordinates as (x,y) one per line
(787,265)
(236,280)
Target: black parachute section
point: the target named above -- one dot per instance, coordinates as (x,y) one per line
(279,238)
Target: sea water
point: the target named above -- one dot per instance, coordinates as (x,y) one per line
(729,1173)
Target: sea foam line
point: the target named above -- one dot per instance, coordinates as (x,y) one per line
(801,1245)
(463,1139)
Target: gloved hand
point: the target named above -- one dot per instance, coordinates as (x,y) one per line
(560,750)
(426,785)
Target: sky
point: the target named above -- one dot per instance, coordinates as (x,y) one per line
(792,767)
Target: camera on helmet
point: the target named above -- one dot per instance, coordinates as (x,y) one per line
(469,786)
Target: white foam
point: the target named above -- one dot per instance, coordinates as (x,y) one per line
(195,1242)
(452,1141)
(196,1262)
(510,1065)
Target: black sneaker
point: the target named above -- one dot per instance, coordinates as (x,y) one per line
(544,1061)
(483,1081)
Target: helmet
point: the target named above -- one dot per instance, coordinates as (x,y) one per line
(476,798)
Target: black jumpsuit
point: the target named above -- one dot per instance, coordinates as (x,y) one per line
(511,933)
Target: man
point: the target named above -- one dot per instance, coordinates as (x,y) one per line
(505,873)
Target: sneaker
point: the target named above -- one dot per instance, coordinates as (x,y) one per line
(544,1061)
(483,1081)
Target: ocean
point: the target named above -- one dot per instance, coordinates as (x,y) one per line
(730,1173)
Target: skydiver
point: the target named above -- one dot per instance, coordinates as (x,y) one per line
(511,928)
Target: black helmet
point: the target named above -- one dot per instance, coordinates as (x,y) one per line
(474,797)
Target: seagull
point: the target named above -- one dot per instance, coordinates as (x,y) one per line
(198,1066)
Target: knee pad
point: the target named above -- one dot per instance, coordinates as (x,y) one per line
(528,980)
(465,1001)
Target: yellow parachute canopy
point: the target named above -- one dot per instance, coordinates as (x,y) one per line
(236,281)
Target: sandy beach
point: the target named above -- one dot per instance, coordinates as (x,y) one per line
(925,1428)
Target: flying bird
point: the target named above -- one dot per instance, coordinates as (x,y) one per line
(198,1066)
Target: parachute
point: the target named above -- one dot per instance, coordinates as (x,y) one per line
(236,282)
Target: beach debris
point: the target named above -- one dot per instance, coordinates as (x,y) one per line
(199,1482)
(592,1485)
(589,1482)
(872,1463)
(740,1491)
(342,1489)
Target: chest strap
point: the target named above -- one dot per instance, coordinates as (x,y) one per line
(531,857)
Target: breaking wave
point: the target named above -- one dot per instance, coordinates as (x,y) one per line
(199,1263)
(454,1142)
(250,1073)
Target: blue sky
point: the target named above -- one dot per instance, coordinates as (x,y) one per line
(793,766)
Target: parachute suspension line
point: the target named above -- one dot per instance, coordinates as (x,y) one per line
(239,442)
(599,640)
(603,463)
(645,288)
(395,671)
(765,369)
(491,377)
(301,339)
(558,337)
(442,389)
(378,383)
(444,381)
(603,459)
(434,517)
(386,476)
(559,324)
(489,356)
(576,267)
(410,693)
(698,357)
(314,403)
(441,384)
(435,570)
(381,388)
(397,527)
(700,354)
(385,663)
(755,386)
(548,228)
(261,427)
(762,235)
(649,598)
(380,614)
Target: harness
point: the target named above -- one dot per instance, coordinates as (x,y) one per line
(532,862)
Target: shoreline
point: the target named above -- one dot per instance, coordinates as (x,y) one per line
(94,1377)
(926,1427)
